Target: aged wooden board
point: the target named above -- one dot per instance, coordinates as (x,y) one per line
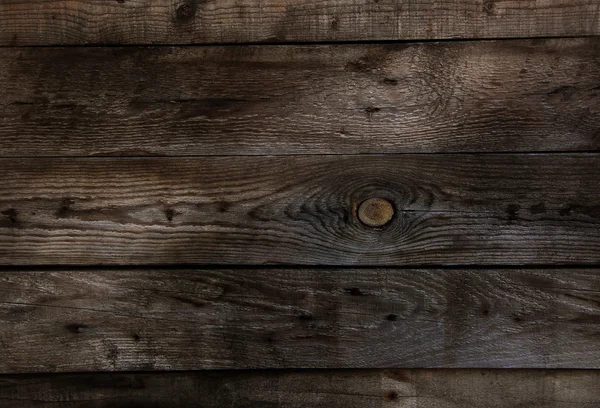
(44,22)
(449,209)
(63,320)
(311,388)
(529,95)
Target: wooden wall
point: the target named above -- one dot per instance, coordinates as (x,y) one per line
(187,214)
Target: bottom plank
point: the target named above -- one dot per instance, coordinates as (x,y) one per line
(184,319)
(310,388)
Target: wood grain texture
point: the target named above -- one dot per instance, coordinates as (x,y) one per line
(450,209)
(490,96)
(50,22)
(66,320)
(311,388)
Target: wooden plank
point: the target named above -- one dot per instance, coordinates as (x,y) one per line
(449,209)
(65,320)
(45,22)
(508,96)
(326,388)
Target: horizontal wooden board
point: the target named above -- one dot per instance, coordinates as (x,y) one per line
(67,320)
(45,22)
(449,209)
(490,96)
(301,389)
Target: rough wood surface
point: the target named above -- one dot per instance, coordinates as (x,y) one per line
(65,320)
(44,22)
(530,95)
(450,209)
(311,388)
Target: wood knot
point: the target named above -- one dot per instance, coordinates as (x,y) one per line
(392,395)
(77,328)
(11,214)
(489,7)
(186,12)
(375,212)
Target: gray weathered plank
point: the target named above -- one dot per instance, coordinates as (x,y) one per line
(311,388)
(67,320)
(449,209)
(45,22)
(540,95)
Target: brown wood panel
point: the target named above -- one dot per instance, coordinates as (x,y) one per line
(449,209)
(529,95)
(311,388)
(44,22)
(65,320)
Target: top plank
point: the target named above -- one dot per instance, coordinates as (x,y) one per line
(51,22)
(428,97)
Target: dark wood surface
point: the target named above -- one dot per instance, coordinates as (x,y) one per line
(479,96)
(309,388)
(66,320)
(505,209)
(484,154)
(45,22)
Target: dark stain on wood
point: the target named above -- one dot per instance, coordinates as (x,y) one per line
(392,395)
(538,208)
(371,110)
(65,209)
(78,328)
(186,12)
(512,210)
(11,214)
(489,7)
(306,317)
(170,214)
(354,292)
(588,210)
(335,23)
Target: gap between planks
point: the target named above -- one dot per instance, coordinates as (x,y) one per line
(300,43)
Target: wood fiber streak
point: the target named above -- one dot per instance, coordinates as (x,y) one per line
(490,96)
(138,319)
(51,22)
(450,209)
(327,389)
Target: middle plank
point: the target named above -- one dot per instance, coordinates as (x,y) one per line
(447,210)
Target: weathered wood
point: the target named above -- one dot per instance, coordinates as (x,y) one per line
(44,22)
(311,388)
(96,320)
(450,209)
(489,96)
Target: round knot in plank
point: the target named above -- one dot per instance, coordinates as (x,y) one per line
(186,12)
(375,212)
